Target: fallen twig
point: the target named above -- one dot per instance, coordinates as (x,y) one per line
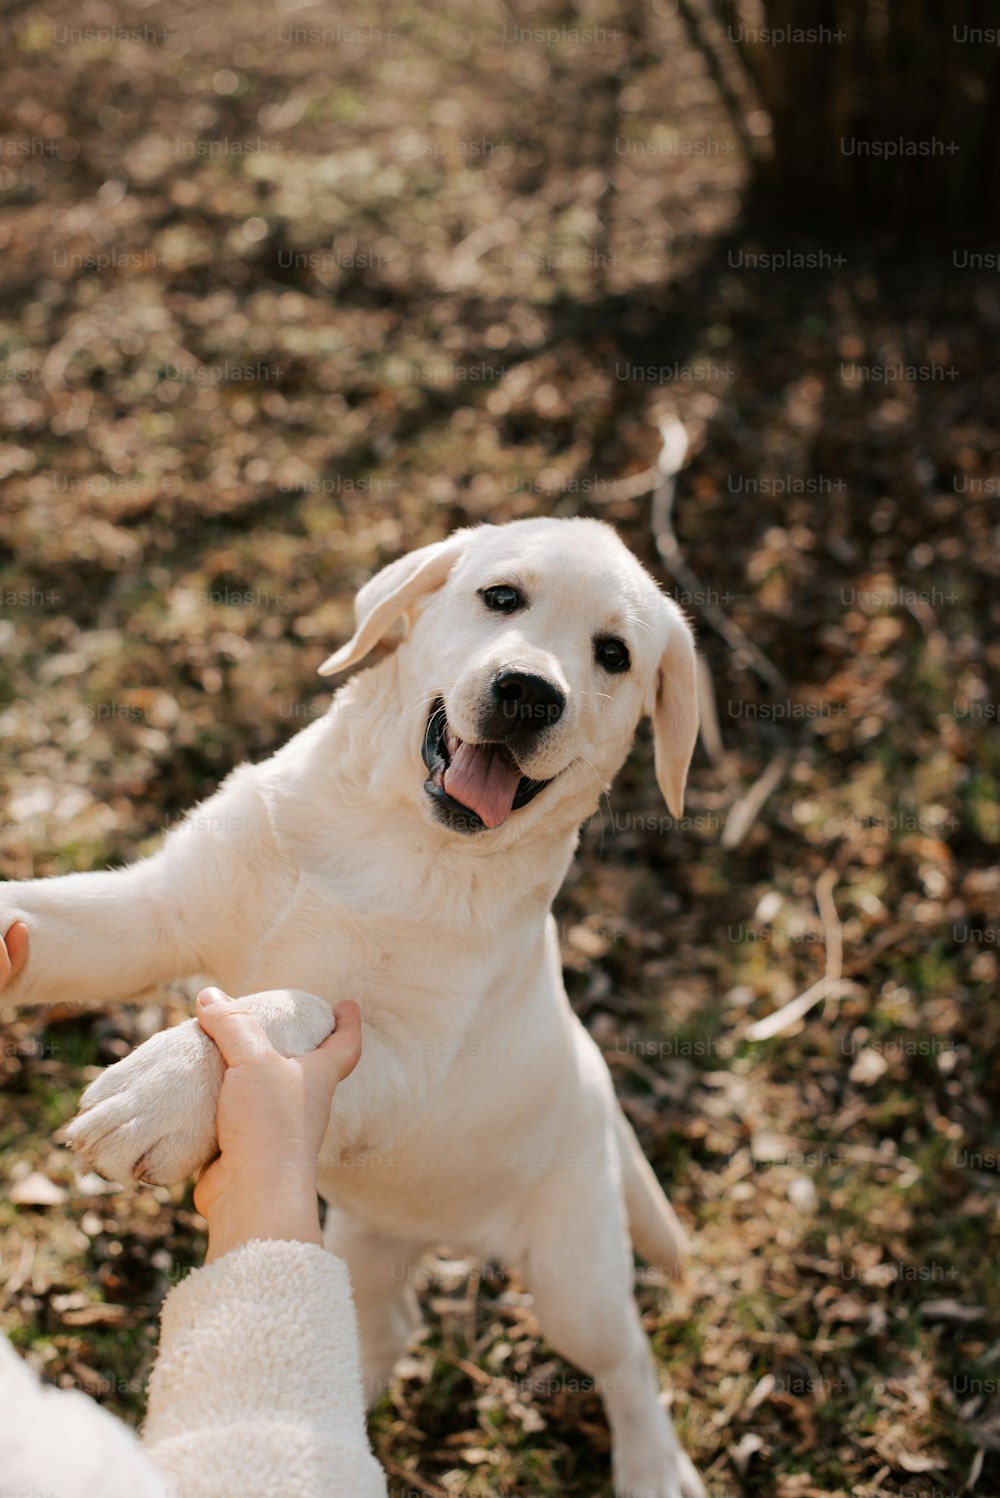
(412,1481)
(708,717)
(747,809)
(831,986)
(673,456)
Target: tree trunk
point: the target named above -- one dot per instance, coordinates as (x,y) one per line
(886,113)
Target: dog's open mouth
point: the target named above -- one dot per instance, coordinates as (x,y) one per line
(475,786)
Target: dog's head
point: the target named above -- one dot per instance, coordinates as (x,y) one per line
(534,649)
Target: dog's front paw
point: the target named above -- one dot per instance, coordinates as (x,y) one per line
(151,1117)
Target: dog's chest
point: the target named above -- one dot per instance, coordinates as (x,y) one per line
(339,944)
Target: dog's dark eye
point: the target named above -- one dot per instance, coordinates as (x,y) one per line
(501,599)
(612,655)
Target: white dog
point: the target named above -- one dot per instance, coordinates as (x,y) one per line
(404,851)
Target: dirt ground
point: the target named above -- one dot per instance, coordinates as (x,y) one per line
(288,292)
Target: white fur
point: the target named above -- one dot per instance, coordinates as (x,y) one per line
(482,1114)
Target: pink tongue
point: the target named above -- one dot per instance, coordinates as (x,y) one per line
(482,777)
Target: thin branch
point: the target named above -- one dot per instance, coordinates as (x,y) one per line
(748,808)
(673,456)
(708,716)
(831,986)
(412,1481)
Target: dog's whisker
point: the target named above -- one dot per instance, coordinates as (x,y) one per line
(424,698)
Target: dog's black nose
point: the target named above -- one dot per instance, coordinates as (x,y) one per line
(527,701)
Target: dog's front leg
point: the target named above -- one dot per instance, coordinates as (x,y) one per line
(195,906)
(92,938)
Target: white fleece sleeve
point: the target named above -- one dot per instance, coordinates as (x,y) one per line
(57,1443)
(257,1386)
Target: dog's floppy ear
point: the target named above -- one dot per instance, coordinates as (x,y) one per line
(674,711)
(387,596)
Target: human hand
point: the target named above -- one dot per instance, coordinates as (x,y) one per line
(13,953)
(274,1112)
